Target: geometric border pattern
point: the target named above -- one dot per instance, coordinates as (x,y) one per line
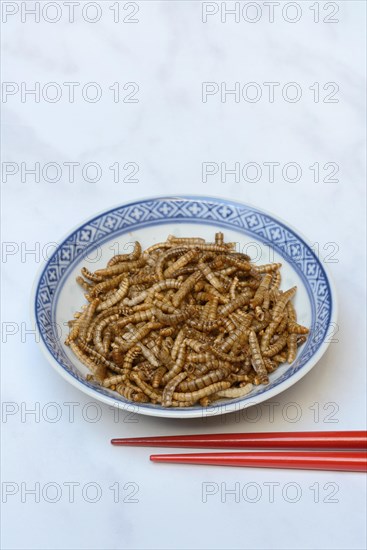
(203,210)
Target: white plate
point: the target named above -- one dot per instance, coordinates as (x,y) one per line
(265,238)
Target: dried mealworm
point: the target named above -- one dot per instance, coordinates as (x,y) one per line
(232,288)
(259,314)
(198,394)
(240,301)
(210,277)
(277,346)
(201,382)
(157,246)
(235,392)
(301,340)
(282,301)
(178,365)
(266,301)
(165,256)
(122,267)
(167,331)
(259,326)
(213,308)
(292,347)
(267,268)
(148,354)
(128,358)
(133,256)
(170,388)
(113,380)
(240,255)
(280,357)
(228,356)
(283,323)
(173,318)
(239,377)
(144,277)
(204,326)
(97,357)
(292,316)
(98,331)
(164,305)
(75,328)
(146,388)
(205,401)
(104,315)
(116,297)
(249,283)
(104,286)
(257,360)
(275,283)
(197,335)
(151,353)
(132,393)
(270,364)
(187,270)
(209,247)
(269,331)
(177,344)
(158,375)
(295,328)
(181,262)
(241,265)
(91,276)
(219,238)
(185,240)
(185,288)
(84,284)
(199,357)
(195,345)
(98,370)
(228,270)
(235,336)
(211,292)
(138,335)
(145,370)
(138,317)
(213,364)
(258,299)
(228,325)
(164,285)
(86,319)
(204,312)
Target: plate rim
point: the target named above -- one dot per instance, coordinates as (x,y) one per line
(183,413)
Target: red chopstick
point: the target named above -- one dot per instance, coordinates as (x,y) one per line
(342,461)
(346,440)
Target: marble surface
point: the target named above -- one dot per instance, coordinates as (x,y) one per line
(87,493)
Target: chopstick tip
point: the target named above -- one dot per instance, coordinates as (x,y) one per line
(119,441)
(159,458)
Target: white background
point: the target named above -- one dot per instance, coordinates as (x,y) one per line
(169,133)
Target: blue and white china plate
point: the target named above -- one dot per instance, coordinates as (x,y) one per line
(265,238)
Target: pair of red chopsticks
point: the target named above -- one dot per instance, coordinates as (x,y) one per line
(343,451)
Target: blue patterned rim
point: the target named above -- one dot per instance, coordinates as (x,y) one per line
(185,209)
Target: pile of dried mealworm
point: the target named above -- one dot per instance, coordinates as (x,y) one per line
(184,322)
